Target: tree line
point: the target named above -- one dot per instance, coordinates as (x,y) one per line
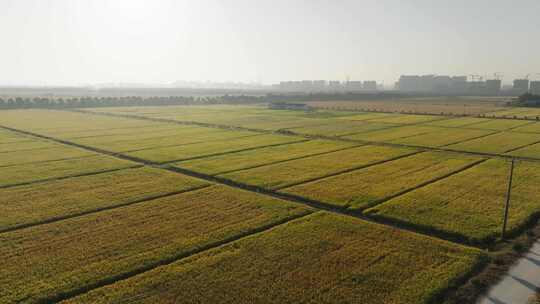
(95,101)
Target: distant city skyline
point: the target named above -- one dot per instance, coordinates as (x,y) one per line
(74,42)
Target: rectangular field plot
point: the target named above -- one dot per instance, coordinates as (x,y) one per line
(340,128)
(366,187)
(500,124)
(322,258)
(212,148)
(249,159)
(469,204)
(532,151)
(26,205)
(131,143)
(27,145)
(58,152)
(390,134)
(365,116)
(292,172)
(144,131)
(49,122)
(497,143)
(528,128)
(20,174)
(442,137)
(79,252)
(467,122)
(7,137)
(408,119)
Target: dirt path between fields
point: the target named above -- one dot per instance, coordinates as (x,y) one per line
(520,283)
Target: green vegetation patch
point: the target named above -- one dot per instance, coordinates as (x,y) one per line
(366,187)
(501,124)
(30,204)
(322,258)
(297,171)
(468,122)
(83,251)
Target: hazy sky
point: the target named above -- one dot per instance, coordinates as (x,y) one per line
(50,42)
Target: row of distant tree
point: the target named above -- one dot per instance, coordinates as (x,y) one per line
(91,101)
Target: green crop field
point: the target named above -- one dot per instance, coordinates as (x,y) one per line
(119,241)
(365,187)
(338,260)
(297,171)
(245,204)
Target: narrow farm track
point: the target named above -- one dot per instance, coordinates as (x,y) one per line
(288,132)
(272,193)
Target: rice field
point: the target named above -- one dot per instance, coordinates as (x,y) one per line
(340,260)
(498,143)
(231,162)
(363,188)
(119,241)
(285,174)
(243,204)
(38,203)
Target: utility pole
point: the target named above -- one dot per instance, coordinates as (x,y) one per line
(507,199)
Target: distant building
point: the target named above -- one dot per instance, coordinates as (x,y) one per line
(521,86)
(353,86)
(370,85)
(493,87)
(535,87)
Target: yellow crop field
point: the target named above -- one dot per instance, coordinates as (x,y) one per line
(442,137)
(322,258)
(57,152)
(341,128)
(26,173)
(185,152)
(365,187)
(390,134)
(31,204)
(82,251)
(292,172)
(498,143)
(501,124)
(466,122)
(242,160)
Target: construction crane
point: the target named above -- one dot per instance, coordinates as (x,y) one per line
(497,76)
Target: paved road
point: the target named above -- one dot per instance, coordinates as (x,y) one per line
(520,283)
